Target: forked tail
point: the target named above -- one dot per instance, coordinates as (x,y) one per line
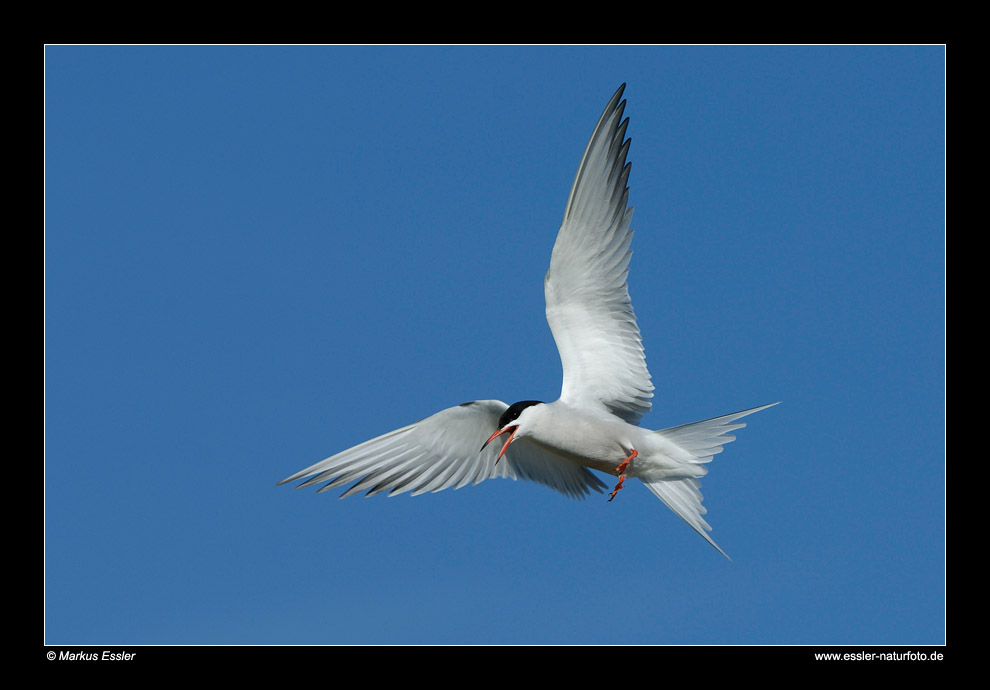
(702,440)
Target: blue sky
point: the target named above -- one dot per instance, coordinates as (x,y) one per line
(258,256)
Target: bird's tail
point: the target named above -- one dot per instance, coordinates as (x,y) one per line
(702,440)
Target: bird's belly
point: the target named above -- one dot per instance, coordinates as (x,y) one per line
(588,448)
(602,444)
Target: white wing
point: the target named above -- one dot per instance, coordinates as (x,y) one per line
(441,452)
(588,305)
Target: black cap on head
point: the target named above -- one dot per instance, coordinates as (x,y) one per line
(514,410)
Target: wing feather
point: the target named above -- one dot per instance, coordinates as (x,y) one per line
(588,305)
(441,452)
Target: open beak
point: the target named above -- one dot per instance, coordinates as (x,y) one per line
(499,432)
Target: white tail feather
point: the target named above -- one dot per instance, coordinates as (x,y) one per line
(702,440)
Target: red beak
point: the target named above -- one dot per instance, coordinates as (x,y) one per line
(499,432)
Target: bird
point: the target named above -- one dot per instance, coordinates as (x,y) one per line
(594,426)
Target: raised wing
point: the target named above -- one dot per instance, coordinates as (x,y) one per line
(441,452)
(588,305)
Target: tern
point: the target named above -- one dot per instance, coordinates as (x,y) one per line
(606,390)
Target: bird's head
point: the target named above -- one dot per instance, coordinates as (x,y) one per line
(512,422)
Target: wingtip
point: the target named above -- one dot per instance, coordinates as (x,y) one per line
(616,102)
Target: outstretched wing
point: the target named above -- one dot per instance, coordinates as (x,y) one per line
(441,452)
(588,305)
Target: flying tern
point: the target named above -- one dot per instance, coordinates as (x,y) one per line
(607,388)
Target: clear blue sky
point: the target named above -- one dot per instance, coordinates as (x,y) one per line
(258,256)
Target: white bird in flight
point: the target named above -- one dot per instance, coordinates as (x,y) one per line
(606,385)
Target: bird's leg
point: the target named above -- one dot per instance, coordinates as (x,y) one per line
(621,471)
(624,465)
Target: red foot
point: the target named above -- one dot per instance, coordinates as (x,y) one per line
(618,486)
(620,470)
